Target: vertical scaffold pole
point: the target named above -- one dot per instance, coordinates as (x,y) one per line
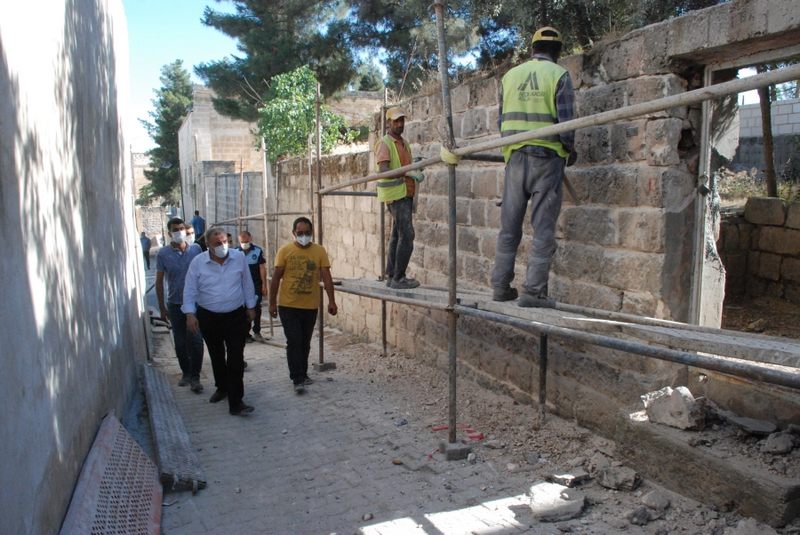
(449,142)
(383,235)
(319,230)
(267,238)
(542,378)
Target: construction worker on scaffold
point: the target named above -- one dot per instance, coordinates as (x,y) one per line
(536,94)
(391,152)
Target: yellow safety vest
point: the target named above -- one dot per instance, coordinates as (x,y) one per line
(392,189)
(529,103)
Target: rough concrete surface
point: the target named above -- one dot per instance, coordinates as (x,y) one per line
(357,454)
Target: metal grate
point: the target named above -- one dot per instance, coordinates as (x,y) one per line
(118,491)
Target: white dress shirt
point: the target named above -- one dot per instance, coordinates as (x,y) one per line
(218,287)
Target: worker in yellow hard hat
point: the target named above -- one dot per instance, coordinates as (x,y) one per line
(535,94)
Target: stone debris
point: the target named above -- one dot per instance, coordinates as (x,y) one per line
(366,517)
(472,458)
(749,425)
(750,526)
(656,500)
(570,479)
(756,326)
(674,407)
(494,444)
(780,443)
(551,502)
(597,463)
(639,516)
(618,478)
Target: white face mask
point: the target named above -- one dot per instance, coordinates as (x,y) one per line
(190,239)
(303,240)
(221,251)
(179,236)
(246,245)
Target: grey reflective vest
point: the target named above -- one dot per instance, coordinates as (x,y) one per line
(529,103)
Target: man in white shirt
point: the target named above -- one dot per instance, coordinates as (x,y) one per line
(219,300)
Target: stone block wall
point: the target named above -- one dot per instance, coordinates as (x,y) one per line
(624,245)
(760,248)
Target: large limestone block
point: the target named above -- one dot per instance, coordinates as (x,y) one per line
(765,211)
(629,270)
(459,98)
(579,261)
(592,144)
(485,92)
(662,138)
(779,240)
(769,266)
(475,123)
(790,269)
(627,141)
(618,184)
(641,229)
(574,64)
(590,224)
(640,303)
(793,216)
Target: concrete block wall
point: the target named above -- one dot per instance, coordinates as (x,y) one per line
(72,321)
(785,118)
(626,245)
(760,248)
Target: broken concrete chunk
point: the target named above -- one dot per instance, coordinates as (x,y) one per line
(779,443)
(598,462)
(750,526)
(571,478)
(749,425)
(656,500)
(618,478)
(551,502)
(639,516)
(675,408)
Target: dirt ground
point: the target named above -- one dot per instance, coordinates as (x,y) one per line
(509,436)
(766,315)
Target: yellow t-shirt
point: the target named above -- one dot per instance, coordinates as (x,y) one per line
(300,282)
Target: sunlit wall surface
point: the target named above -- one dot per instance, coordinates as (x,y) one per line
(71,331)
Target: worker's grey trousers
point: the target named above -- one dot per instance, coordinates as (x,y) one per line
(539,179)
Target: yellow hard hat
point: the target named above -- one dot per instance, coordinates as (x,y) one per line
(395,113)
(547,33)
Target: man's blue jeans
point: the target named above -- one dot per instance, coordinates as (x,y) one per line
(401,244)
(188,346)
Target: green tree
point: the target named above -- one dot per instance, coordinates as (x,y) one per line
(289,116)
(171,106)
(277,36)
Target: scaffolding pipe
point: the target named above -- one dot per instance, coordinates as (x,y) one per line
(319,228)
(695,96)
(542,378)
(354,193)
(772,373)
(266,197)
(258,216)
(382,211)
(449,142)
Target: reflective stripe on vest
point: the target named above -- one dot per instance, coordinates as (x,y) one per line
(392,189)
(529,103)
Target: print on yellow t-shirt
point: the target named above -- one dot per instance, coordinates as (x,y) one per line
(300,283)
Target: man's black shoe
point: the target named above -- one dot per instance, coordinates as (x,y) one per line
(527,300)
(249,339)
(244,364)
(504,294)
(242,409)
(218,396)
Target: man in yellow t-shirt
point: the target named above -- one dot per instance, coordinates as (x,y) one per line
(294,294)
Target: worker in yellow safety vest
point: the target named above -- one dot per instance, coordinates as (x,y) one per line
(536,94)
(391,152)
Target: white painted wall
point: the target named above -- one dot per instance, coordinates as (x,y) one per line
(71,327)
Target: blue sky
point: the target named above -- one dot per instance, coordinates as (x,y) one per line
(159,32)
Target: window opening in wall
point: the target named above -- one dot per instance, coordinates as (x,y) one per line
(753,208)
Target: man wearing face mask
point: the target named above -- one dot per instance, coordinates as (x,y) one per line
(219,299)
(172,263)
(258,270)
(299,266)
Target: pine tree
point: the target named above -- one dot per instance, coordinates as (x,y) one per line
(171,105)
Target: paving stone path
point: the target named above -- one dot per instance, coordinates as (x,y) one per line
(339,459)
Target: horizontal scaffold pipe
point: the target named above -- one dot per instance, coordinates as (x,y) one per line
(259,216)
(695,96)
(767,373)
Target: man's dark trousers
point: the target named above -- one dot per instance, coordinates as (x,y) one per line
(226,331)
(298,326)
(401,244)
(188,346)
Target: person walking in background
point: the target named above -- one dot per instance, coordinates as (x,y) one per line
(199,223)
(172,263)
(536,94)
(391,152)
(146,244)
(299,265)
(219,300)
(258,270)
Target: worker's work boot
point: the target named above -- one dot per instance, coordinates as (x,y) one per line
(527,300)
(404,284)
(504,294)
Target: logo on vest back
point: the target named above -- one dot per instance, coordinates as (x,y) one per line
(529,88)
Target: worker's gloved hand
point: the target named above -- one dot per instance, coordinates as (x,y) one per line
(448,157)
(418,176)
(573,156)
